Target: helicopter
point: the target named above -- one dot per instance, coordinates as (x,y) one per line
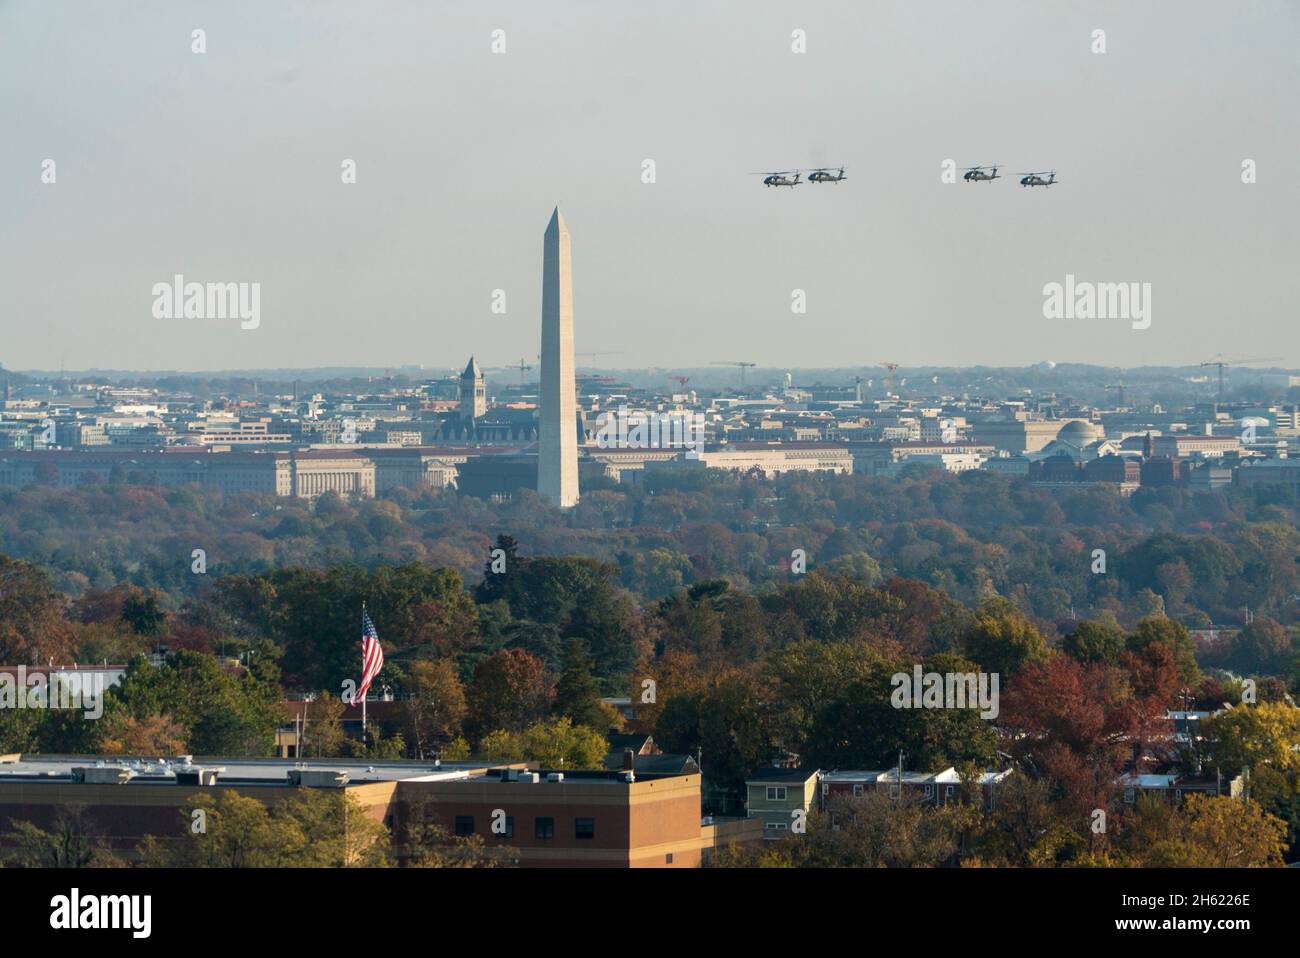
(1036,179)
(781,178)
(976,174)
(826,174)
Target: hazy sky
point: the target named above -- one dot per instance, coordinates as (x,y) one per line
(225,167)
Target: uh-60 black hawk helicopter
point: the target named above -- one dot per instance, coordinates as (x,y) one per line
(826,174)
(1036,179)
(976,174)
(781,178)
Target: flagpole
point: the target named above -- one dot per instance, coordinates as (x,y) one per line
(363,672)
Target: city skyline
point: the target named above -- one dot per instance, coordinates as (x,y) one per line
(698,266)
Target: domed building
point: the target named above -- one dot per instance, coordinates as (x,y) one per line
(1080,441)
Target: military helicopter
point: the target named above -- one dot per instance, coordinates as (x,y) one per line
(826,174)
(1036,179)
(781,178)
(976,174)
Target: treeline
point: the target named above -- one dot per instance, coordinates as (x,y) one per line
(1199,557)
(516,666)
(1025,828)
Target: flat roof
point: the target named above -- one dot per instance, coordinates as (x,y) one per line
(235,770)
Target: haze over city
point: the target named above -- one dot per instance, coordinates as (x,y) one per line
(225,167)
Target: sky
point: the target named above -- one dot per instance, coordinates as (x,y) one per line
(226,166)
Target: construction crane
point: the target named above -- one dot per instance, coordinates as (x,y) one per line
(889,380)
(1221,363)
(743,366)
(681,382)
(1120,388)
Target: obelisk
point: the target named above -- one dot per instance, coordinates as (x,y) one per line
(557,463)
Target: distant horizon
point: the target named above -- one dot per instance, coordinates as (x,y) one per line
(719,369)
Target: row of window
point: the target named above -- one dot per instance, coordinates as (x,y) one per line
(543,827)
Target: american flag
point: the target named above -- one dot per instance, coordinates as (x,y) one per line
(372,656)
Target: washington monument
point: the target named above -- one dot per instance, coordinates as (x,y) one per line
(557,464)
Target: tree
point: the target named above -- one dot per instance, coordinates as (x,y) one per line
(1262,647)
(552,743)
(72,841)
(124,734)
(307,828)
(436,708)
(576,696)
(422,841)
(222,712)
(32,627)
(1094,641)
(510,691)
(1216,832)
(1251,735)
(1076,726)
(1158,628)
(322,732)
(724,720)
(144,615)
(876,831)
(1002,640)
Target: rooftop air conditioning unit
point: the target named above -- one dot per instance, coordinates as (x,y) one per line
(107,775)
(531,778)
(318,777)
(555,776)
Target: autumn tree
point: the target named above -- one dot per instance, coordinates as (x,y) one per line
(32,627)
(1251,735)
(510,691)
(1211,831)
(436,706)
(124,734)
(1002,640)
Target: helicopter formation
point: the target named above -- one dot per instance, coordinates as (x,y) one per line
(790,178)
(986,174)
(829,174)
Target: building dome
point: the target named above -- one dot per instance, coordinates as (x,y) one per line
(1080,433)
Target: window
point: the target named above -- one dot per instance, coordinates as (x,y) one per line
(776,793)
(929,791)
(948,791)
(776,826)
(1128,796)
(464,825)
(584,828)
(857,791)
(544,827)
(668,859)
